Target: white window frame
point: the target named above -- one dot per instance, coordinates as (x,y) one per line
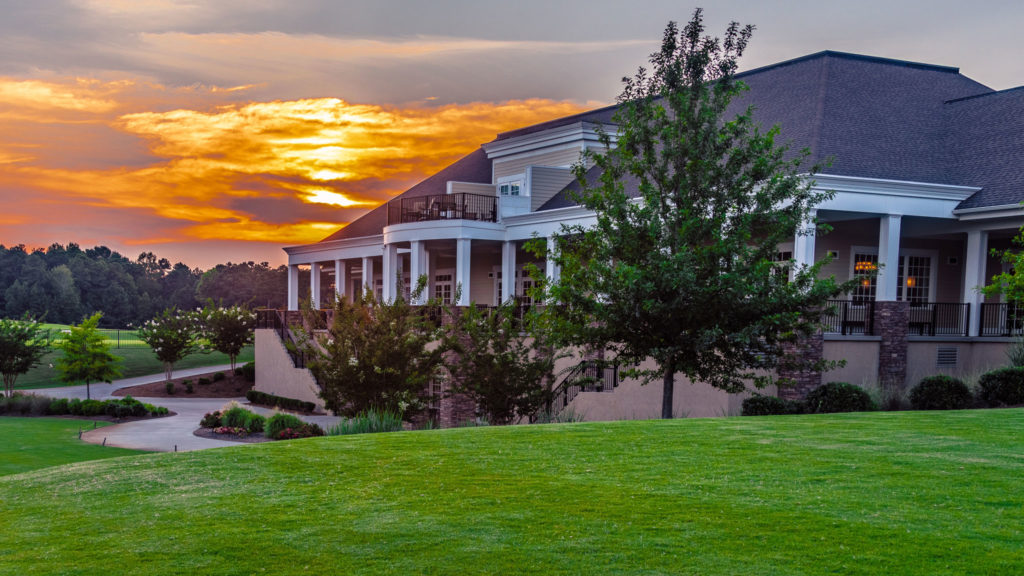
(509,181)
(904,253)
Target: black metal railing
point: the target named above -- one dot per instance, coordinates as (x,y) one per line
(276,320)
(850,317)
(113,337)
(1002,319)
(457,206)
(587,376)
(939,319)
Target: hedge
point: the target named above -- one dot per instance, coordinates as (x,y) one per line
(264,399)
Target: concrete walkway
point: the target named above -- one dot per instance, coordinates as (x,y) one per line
(169,434)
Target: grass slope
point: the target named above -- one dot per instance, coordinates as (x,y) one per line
(882,493)
(136,362)
(32,443)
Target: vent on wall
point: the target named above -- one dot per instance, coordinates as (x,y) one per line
(947,357)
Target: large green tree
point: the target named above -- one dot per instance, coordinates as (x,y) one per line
(376,355)
(681,265)
(87,356)
(22,345)
(501,361)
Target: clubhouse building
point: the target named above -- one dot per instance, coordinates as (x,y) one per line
(926,164)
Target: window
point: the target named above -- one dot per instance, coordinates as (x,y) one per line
(512,188)
(443,287)
(865,266)
(782,263)
(914,284)
(524,283)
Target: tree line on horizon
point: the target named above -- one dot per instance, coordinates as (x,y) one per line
(64,284)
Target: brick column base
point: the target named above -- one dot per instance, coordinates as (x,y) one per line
(809,351)
(892,321)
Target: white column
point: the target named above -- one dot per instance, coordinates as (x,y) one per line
(340,279)
(508,271)
(390,272)
(803,244)
(314,285)
(888,257)
(293,287)
(550,267)
(368,273)
(975,275)
(418,264)
(462,268)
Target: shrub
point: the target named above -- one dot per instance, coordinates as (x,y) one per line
(306,430)
(188,387)
(279,422)
(255,423)
(368,422)
(204,381)
(157,410)
(170,388)
(58,406)
(211,420)
(218,376)
(1002,387)
(769,406)
(93,408)
(264,399)
(838,397)
(249,371)
(186,383)
(1015,353)
(75,407)
(940,393)
(38,405)
(237,431)
(238,371)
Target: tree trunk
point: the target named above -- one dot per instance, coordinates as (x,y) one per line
(666,393)
(88,395)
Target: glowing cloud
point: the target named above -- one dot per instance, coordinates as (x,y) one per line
(103,159)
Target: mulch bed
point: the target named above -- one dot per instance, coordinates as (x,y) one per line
(247,439)
(230,387)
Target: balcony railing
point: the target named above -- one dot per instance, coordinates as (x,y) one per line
(458,206)
(850,318)
(940,319)
(1002,319)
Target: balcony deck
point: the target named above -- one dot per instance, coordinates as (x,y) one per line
(457,206)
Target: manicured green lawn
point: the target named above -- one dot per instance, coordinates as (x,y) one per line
(883,493)
(32,443)
(137,362)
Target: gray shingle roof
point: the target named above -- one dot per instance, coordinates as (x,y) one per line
(882,118)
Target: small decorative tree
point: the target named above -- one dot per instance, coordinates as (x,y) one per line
(501,361)
(22,345)
(376,355)
(172,335)
(228,330)
(87,356)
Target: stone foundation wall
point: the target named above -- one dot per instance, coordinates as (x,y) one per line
(809,351)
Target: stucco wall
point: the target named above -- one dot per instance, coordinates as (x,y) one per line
(974,358)
(276,375)
(633,401)
(861,358)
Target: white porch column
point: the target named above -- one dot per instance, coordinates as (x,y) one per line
(368,273)
(803,244)
(418,264)
(340,279)
(462,268)
(293,287)
(314,285)
(508,271)
(390,272)
(551,270)
(975,275)
(888,257)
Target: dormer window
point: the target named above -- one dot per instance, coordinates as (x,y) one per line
(512,188)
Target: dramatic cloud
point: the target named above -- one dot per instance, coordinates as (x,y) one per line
(281,172)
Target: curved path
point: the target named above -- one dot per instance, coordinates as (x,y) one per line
(169,434)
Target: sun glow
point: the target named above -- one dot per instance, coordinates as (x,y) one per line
(287,172)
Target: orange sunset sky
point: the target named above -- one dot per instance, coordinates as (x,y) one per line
(217,131)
